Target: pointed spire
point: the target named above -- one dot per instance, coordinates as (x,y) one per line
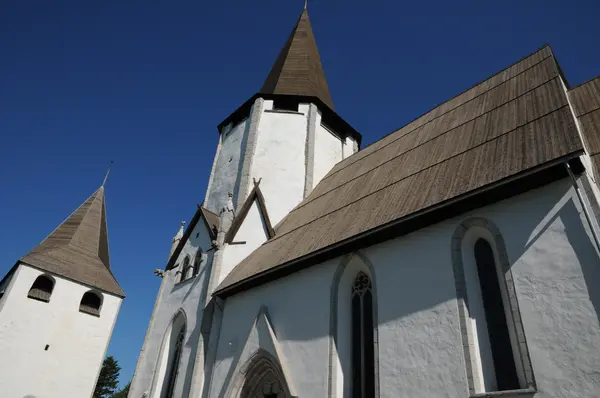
(78,248)
(179,233)
(298,69)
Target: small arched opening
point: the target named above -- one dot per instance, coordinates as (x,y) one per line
(91,302)
(42,288)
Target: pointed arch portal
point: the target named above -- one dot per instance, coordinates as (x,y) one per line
(263,378)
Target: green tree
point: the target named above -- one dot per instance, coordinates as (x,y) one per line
(108,381)
(123,393)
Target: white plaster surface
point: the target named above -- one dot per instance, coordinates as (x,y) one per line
(556,270)
(188,296)
(280,160)
(77,341)
(253,231)
(226,169)
(328,151)
(298,308)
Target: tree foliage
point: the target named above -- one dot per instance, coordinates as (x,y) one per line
(108,381)
(123,393)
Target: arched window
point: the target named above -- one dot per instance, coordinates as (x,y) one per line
(174,365)
(353,347)
(497,325)
(185,269)
(91,302)
(363,356)
(494,343)
(198,261)
(170,358)
(41,289)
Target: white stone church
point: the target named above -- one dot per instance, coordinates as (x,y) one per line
(456,257)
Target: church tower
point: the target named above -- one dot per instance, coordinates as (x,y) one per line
(287,136)
(58,307)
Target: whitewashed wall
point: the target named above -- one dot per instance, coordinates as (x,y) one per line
(77,341)
(226,169)
(328,151)
(188,296)
(298,307)
(279,159)
(556,270)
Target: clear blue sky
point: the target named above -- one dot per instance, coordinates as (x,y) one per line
(144,83)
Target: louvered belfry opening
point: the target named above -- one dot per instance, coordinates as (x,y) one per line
(42,288)
(90,303)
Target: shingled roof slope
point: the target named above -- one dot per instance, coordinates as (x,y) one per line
(78,248)
(298,69)
(586,102)
(512,122)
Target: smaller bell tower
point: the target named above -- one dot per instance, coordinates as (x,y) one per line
(58,309)
(288,136)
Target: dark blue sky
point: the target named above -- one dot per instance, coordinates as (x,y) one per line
(144,83)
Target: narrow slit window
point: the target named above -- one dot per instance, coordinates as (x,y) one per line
(42,288)
(363,347)
(185,269)
(91,303)
(198,261)
(497,325)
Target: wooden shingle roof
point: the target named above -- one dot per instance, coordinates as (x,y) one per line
(298,69)
(78,248)
(512,124)
(586,103)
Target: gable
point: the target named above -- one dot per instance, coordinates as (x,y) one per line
(203,221)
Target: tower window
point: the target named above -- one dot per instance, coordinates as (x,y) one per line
(285,104)
(497,325)
(363,354)
(91,303)
(42,288)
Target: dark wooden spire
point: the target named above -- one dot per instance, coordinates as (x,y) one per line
(298,69)
(78,248)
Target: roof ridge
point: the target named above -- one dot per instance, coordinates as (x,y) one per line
(84,215)
(310,199)
(279,235)
(584,83)
(437,106)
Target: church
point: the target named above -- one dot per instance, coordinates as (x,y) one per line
(456,257)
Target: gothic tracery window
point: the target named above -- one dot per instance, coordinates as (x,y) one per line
(363,354)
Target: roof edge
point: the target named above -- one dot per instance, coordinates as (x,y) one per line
(510,186)
(121,294)
(186,235)
(255,194)
(331,116)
